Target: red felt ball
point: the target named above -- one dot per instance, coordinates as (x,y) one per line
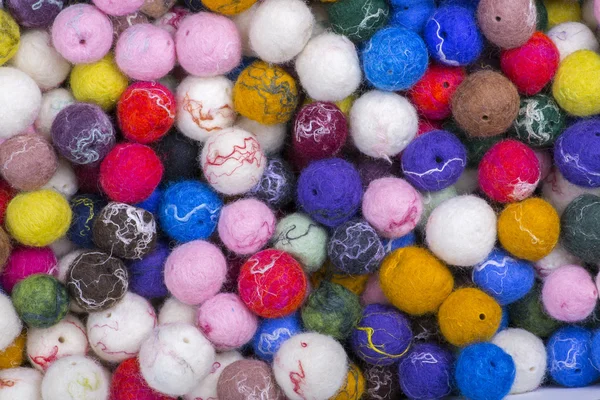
(427,126)
(432,94)
(509,171)
(272,284)
(6,195)
(146,112)
(128,384)
(130,173)
(531,66)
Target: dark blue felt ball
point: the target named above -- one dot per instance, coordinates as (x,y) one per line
(569,357)
(426,372)
(411,14)
(146,276)
(86,208)
(277,184)
(271,334)
(577,153)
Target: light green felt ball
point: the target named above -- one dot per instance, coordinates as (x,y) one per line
(304,239)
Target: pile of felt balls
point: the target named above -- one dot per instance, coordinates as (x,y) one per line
(298,200)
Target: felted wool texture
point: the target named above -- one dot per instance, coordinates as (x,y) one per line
(9,43)
(232,161)
(76,376)
(557,258)
(426,372)
(96,281)
(382,382)
(545,159)
(245,378)
(53,102)
(373,294)
(25,384)
(328,67)
(411,14)
(575,153)
(529,314)
(373,168)
(173,311)
(207,387)
(358,19)
(12,356)
(243,22)
(569,357)
(226,7)
(540,121)
(354,387)
(146,276)
(575,82)
(569,294)
(31,15)
(246,226)
(354,283)
(560,192)
(270,137)
(62,246)
(272,333)
(157,8)
(5,248)
(179,156)
(355,249)
(560,11)
(432,94)
(276,187)
(431,200)
(64,180)
(85,208)
(26,261)
(82,34)
(40,300)
(570,37)
(20,101)
(120,7)
(122,22)
(174,358)
(596,349)
(127,383)
(11,325)
(27,161)
(507,23)
(64,263)
(542,16)
(87,175)
(195,271)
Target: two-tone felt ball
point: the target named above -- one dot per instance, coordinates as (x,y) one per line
(358,19)
(575,153)
(507,23)
(540,121)
(426,371)
(146,276)
(575,83)
(272,333)
(355,248)
(28,161)
(85,208)
(569,357)
(40,300)
(24,262)
(277,185)
(432,94)
(32,13)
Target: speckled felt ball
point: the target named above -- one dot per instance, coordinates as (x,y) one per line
(540,121)
(86,208)
(569,357)
(40,300)
(32,13)
(432,94)
(358,19)
(277,185)
(179,156)
(507,23)
(243,377)
(127,383)
(579,225)
(28,162)
(529,314)
(575,153)
(426,372)
(355,249)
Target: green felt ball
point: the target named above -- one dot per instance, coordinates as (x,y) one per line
(40,300)
(358,19)
(540,121)
(580,228)
(476,146)
(528,313)
(332,310)
(542,16)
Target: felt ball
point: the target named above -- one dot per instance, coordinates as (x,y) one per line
(173,311)
(272,333)
(560,11)
(21,383)
(11,325)
(27,261)
(122,22)
(328,67)
(358,19)
(394,58)
(12,356)
(529,314)
(121,7)
(207,387)
(32,13)
(174,358)
(270,137)
(507,23)
(5,248)
(433,199)
(569,294)
(395,117)
(157,8)
(382,382)
(171,20)
(570,37)
(432,94)
(28,161)
(242,378)
(277,185)
(40,300)
(226,7)
(20,101)
(575,156)
(53,102)
(484,371)
(411,14)
(426,372)
(38,218)
(232,161)
(195,271)
(596,349)
(146,276)
(76,376)
(355,249)
(82,34)
(560,192)
(575,83)
(179,156)
(540,121)
(354,387)
(272,284)
(127,383)
(9,37)
(64,180)
(246,226)
(371,169)
(579,227)
(85,208)
(558,257)
(569,357)
(96,281)
(453,37)
(373,294)
(330,191)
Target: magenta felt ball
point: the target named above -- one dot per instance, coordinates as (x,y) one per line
(208,44)
(392,206)
(118,7)
(195,271)
(569,294)
(145,52)
(82,34)
(26,261)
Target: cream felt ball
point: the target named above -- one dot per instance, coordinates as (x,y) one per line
(569,294)
(204,106)
(76,377)
(173,311)
(118,7)
(25,384)
(392,116)
(20,101)
(529,354)
(280,29)
(207,387)
(174,358)
(328,67)
(53,102)
(270,137)
(246,226)
(64,180)
(572,36)
(10,323)
(310,366)
(559,192)
(462,230)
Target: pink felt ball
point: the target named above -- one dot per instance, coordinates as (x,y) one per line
(246,226)
(195,271)
(145,52)
(82,34)
(373,293)
(569,294)
(226,321)
(118,7)
(392,206)
(208,44)
(26,261)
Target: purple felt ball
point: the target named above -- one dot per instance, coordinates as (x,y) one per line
(371,169)
(146,276)
(34,13)
(426,372)
(577,153)
(83,133)
(434,161)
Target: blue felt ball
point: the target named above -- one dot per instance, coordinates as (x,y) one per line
(470,4)
(394,59)
(569,357)
(484,372)
(505,320)
(86,208)
(596,349)
(271,334)
(146,276)
(577,153)
(235,73)
(330,191)
(503,277)
(426,372)
(389,245)
(151,203)
(452,36)
(411,14)
(434,161)
(189,210)
(277,184)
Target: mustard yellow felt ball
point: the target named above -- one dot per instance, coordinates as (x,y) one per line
(228,7)
(12,356)
(354,283)
(577,83)
(469,315)
(354,387)
(10,37)
(560,11)
(529,229)
(414,281)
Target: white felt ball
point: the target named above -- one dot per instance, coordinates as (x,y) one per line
(116,334)
(67,338)
(243,22)
(328,67)
(21,384)
(321,19)
(207,388)
(382,124)
(559,192)
(173,311)
(76,377)
(204,106)
(20,101)
(175,357)
(270,137)
(587,15)
(529,354)
(10,323)
(310,366)
(558,257)
(64,180)
(572,36)
(280,29)
(53,102)
(462,230)
(38,59)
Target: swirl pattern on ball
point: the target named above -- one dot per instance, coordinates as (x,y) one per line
(540,121)
(355,248)
(277,184)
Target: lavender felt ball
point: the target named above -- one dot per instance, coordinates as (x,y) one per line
(577,153)
(34,13)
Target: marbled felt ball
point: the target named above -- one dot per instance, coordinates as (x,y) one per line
(355,249)
(411,14)
(358,19)
(540,121)
(179,156)
(127,383)
(76,376)
(242,378)
(85,208)
(432,94)
(579,227)
(575,153)
(272,333)
(507,23)
(277,185)
(382,382)
(575,83)
(27,161)
(32,13)
(27,261)
(426,372)
(452,36)
(569,357)
(40,300)
(570,37)
(246,226)
(569,294)
(272,284)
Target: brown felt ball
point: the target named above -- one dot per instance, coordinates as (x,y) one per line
(507,23)
(485,104)
(243,378)
(157,8)
(5,248)
(27,162)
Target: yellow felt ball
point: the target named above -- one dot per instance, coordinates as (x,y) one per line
(265,93)
(12,356)
(228,7)
(354,283)
(560,11)
(414,281)
(100,83)
(354,388)
(469,315)
(38,218)
(577,83)
(10,36)
(529,229)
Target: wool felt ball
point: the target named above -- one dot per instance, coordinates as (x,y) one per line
(156,8)
(121,7)
(596,349)
(394,58)
(540,121)
(40,300)
(226,7)
(569,294)
(432,94)
(246,226)
(173,311)
(27,261)
(76,376)
(146,276)
(354,387)
(560,192)
(426,372)
(32,14)
(9,37)
(569,357)
(452,36)
(575,154)
(433,199)
(373,294)
(179,156)
(358,19)
(53,102)
(560,11)
(23,383)
(12,356)
(507,23)
(207,387)
(38,218)
(172,19)
(11,324)
(579,227)
(411,14)
(5,248)
(20,101)
(270,137)
(242,378)
(529,314)
(328,67)
(122,22)
(28,161)
(85,208)
(559,257)
(127,383)
(355,249)
(277,185)
(576,81)
(570,37)
(64,180)
(272,333)
(382,382)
